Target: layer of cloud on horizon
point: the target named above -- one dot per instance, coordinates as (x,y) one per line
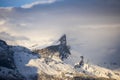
(8,37)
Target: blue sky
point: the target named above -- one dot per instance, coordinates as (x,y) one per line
(20,3)
(87,23)
(14,3)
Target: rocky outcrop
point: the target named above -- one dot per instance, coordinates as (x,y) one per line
(6,56)
(62,49)
(8,69)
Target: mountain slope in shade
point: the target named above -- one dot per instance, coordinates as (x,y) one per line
(8,70)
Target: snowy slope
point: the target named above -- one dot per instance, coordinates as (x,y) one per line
(55,66)
(22,57)
(92,69)
(29,65)
(51,68)
(99,71)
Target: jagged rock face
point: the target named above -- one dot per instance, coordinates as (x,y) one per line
(62,49)
(6,56)
(8,69)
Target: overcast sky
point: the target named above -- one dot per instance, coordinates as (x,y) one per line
(92,26)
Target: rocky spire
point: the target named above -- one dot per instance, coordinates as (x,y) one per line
(62,49)
(63,40)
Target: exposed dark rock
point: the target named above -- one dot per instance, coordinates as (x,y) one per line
(8,69)
(63,49)
(6,56)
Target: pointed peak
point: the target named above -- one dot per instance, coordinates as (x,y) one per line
(62,37)
(63,40)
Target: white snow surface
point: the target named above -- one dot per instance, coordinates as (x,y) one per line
(99,71)
(52,68)
(30,65)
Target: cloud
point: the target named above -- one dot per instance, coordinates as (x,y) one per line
(23,4)
(2,22)
(91,34)
(8,37)
(38,2)
(6,8)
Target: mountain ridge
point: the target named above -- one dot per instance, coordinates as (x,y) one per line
(31,65)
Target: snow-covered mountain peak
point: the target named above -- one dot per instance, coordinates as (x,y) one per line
(48,63)
(62,49)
